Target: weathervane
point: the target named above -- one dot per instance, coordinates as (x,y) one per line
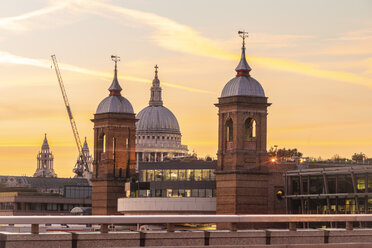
(115,59)
(243,35)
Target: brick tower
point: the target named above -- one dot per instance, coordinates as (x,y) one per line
(114,149)
(242,174)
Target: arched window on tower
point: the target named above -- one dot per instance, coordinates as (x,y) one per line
(250,134)
(229,134)
(104,143)
(250,129)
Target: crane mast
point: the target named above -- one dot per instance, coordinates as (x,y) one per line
(79,169)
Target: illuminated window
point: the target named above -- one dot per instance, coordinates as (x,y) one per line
(250,129)
(229,130)
(169,192)
(174,175)
(182,175)
(190,175)
(198,175)
(104,143)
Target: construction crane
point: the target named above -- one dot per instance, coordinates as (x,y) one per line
(81,166)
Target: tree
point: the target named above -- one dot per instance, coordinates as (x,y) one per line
(208,158)
(283,153)
(358,157)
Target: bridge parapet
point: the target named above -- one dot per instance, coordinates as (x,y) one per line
(187,238)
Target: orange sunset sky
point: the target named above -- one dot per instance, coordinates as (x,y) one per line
(313,59)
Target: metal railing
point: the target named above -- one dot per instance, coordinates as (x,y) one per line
(171,220)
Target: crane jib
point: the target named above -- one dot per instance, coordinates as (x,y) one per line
(79,167)
(69,112)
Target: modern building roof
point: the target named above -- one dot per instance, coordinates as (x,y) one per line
(42,182)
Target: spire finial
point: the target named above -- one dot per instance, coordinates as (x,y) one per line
(243,68)
(115,87)
(156,70)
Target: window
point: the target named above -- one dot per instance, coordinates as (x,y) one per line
(190,175)
(250,129)
(208,193)
(150,175)
(113,148)
(169,192)
(229,130)
(182,175)
(167,175)
(174,175)
(181,193)
(198,175)
(205,175)
(158,175)
(104,143)
(194,193)
(201,192)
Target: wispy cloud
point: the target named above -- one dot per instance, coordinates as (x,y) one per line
(174,36)
(177,37)
(8,58)
(15,22)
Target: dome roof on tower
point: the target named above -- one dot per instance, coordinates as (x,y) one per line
(157,119)
(243,84)
(115,102)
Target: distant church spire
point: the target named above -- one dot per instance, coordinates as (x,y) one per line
(45,145)
(243,68)
(115,86)
(45,161)
(155,99)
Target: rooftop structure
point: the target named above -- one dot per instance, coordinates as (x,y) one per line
(243,84)
(45,161)
(172,187)
(157,132)
(115,102)
(21,195)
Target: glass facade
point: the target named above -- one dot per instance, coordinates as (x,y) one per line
(177,175)
(339,190)
(175,182)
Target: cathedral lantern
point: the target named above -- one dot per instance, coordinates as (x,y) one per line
(45,161)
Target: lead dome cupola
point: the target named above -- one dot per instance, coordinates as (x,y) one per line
(156,118)
(115,102)
(243,84)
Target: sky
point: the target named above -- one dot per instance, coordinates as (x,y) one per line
(313,59)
